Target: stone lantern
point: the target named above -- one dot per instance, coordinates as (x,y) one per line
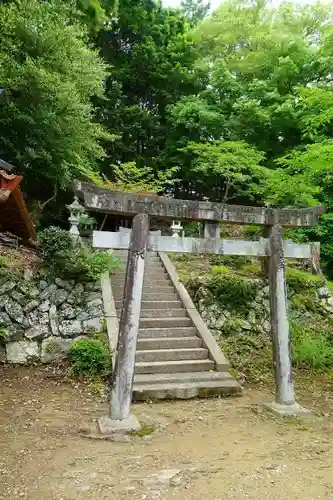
(75,210)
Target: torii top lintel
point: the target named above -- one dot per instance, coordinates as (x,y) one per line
(114,202)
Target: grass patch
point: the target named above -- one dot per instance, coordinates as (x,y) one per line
(145,430)
(300,280)
(232,291)
(311,348)
(90,357)
(220,270)
(251,268)
(250,356)
(305,301)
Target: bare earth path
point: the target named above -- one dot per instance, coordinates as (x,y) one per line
(203,450)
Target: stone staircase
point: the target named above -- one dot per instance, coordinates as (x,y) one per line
(172,358)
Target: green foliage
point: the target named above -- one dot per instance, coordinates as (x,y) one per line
(86,221)
(79,262)
(311,348)
(233,291)
(220,270)
(83,263)
(253,232)
(90,357)
(151,56)
(4,335)
(194,10)
(4,261)
(129,177)
(251,268)
(49,74)
(232,326)
(250,356)
(305,301)
(53,243)
(300,280)
(224,170)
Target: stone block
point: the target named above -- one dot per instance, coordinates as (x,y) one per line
(70,328)
(37,332)
(44,306)
(15,333)
(55,349)
(95,303)
(59,296)
(294,410)
(323,292)
(107,426)
(92,324)
(53,319)
(4,319)
(7,287)
(67,285)
(31,306)
(16,313)
(30,291)
(22,352)
(69,312)
(47,292)
(19,297)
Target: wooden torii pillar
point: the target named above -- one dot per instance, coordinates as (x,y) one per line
(274,248)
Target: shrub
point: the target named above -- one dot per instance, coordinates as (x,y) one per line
(79,262)
(311,348)
(305,301)
(84,263)
(232,291)
(90,357)
(54,243)
(300,280)
(220,270)
(253,232)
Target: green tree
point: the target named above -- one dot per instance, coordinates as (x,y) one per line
(49,75)
(151,55)
(195,10)
(224,171)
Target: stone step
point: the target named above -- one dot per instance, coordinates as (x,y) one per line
(118,295)
(172,378)
(160,333)
(175,366)
(155,304)
(151,343)
(161,313)
(171,355)
(186,390)
(149,271)
(151,283)
(164,322)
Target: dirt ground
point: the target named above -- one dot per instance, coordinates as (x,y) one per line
(216,449)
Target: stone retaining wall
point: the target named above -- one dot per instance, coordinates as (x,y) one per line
(40,318)
(256,316)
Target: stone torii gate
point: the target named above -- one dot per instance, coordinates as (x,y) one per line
(274,248)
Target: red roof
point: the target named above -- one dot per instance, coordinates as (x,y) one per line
(14,215)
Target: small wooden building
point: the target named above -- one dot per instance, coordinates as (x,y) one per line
(14,215)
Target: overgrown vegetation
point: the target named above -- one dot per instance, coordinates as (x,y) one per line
(232,284)
(78,262)
(90,357)
(222,108)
